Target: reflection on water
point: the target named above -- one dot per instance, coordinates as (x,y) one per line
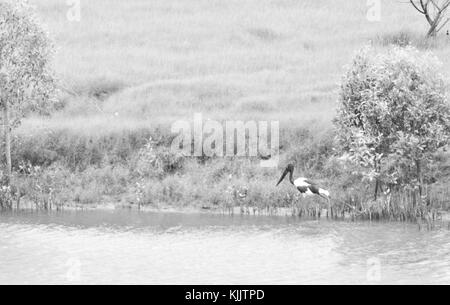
(168,248)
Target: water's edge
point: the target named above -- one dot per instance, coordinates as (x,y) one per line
(444,216)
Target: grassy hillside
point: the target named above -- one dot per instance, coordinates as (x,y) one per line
(129,69)
(227,57)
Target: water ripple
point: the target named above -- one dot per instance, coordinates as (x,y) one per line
(124,247)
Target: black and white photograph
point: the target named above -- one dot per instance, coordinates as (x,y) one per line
(200,144)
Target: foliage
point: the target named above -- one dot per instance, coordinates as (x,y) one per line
(393,115)
(27,81)
(6,197)
(153,160)
(40,186)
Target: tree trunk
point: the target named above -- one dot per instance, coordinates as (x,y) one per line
(419,177)
(377,181)
(377,184)
(7,131)
(420,180)
(432,31)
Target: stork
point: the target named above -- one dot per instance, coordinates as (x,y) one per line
(305,186)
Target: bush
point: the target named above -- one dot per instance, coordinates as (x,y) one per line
(393,116)
(156,161)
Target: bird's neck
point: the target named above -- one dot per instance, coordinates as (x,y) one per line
(291,177)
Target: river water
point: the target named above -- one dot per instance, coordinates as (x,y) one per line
(128,247)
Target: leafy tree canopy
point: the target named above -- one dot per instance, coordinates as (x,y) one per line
(26,78)
(393,114)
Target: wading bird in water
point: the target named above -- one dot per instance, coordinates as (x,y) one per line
(305,186)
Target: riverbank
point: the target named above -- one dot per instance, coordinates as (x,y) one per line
(134,167)
(229,193)
(108,138)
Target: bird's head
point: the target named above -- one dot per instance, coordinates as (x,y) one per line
(289,169)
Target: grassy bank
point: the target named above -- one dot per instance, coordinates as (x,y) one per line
(130,69)
(125,168)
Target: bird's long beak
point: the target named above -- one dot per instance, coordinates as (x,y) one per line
(286,171)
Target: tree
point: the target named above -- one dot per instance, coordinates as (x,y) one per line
(393,116)
(434,11)
(26,79)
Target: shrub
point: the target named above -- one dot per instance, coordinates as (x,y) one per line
(393,116)
(154,160)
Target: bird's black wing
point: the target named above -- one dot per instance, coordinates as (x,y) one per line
(313,187)
(302,189)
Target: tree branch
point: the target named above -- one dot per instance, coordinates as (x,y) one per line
(442,26)
(416,7)
(434,12)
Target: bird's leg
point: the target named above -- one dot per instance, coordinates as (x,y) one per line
(329,207)
(294,202)
(329,210)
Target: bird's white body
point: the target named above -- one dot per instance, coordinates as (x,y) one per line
(304,183)
(305,186)
(324,193)
(301,182)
